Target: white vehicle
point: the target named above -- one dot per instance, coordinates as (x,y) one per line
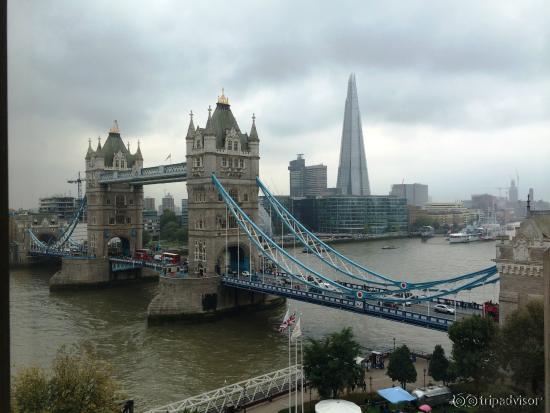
(404,295)
(245,273)
(157,257)
(433,395)
(442,308)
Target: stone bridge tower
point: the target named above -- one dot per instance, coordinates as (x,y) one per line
(114,210)
(221,148)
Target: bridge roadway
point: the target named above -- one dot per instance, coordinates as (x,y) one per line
(416,314)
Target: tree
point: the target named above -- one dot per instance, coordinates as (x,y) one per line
(330,364)
(145,238)
(439,365)
(169,231)
(401,367)
(77,384)
(475,342)
(522,346)
(166,217)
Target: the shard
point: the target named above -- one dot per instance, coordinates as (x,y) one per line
(353,177)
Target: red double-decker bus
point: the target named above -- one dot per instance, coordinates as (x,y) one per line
(143,255)
(170,258)
(491,309)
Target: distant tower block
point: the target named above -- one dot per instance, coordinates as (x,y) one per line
(353,177)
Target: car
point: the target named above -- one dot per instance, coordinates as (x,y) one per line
(443,308)
(404,295)
(390,304)
(245,273)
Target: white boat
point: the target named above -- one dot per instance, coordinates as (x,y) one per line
(462,237)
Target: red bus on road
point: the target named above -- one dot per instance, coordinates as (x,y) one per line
(170,258)
(143,254)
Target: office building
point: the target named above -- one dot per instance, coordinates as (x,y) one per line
(353,177)
(368,215)
(307,181)
(149,203)
(513,192)
(416,194)
(61,206)
(168,203)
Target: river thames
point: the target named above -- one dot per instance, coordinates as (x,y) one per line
(164,363)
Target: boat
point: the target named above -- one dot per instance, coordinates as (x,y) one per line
(389,247)
(426,232)
(459,238)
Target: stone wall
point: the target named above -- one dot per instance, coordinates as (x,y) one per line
(520,264)
(195,299)
(81,273)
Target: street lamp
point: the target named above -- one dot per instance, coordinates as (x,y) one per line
(424,378)
(394,343)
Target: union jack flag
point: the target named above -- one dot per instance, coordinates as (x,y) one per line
(288,321)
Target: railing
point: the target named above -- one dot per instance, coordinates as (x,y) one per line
(236,396)
(344,303)
(176,172)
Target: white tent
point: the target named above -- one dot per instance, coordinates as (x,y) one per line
(336,406)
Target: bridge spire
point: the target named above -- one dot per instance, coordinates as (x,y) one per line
(191,128)
(253,132)
(114,128)
(138,154)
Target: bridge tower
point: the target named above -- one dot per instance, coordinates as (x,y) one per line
(220,148)
(114,210)
(215,243)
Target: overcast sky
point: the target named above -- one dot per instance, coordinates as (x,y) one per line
(455,95)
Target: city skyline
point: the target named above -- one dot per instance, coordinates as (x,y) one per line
(466,106)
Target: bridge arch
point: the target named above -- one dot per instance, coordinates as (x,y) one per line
(236,256)
(47,238)
(118,246)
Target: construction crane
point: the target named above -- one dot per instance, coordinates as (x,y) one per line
(78,181)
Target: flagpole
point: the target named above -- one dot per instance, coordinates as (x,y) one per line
(302,369)
(296,376)
(289,376)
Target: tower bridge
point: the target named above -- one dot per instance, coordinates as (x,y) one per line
(232,263)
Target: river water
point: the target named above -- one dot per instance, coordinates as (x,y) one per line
(164,363)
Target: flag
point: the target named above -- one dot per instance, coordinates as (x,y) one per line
(169,157)
(288,320)
(297,332)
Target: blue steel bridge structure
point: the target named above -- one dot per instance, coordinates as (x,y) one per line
(328,278)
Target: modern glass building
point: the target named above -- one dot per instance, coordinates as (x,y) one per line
(372,215)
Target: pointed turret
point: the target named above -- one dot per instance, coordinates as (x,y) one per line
(90,152)
(209,130)
(138,155)
(191,128)
(98,144)
(253,132)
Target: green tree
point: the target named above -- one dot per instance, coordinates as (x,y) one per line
(169,231)
(522,346)
(77,384)
(166,217)
(145,238)
(439,365)
(401,367)
(475,342)
(330,365)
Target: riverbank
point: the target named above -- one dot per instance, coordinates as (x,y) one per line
(376,379)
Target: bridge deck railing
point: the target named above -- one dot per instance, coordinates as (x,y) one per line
(237,395)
